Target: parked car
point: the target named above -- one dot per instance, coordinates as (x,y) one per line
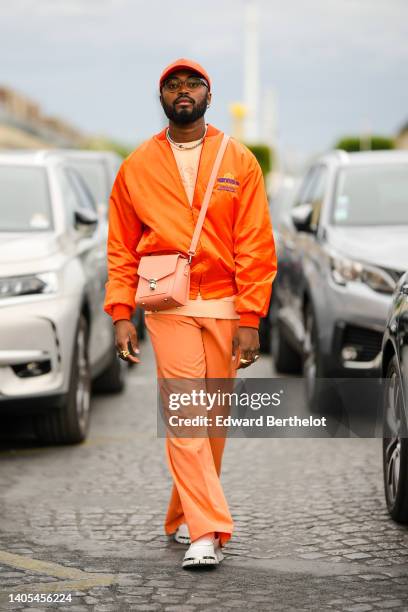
(279,208)
(395,372)
(343,251)
(99,170)
(55,338)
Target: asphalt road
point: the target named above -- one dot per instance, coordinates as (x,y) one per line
(311,529)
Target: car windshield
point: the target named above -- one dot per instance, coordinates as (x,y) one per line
(371,195)
(94,175)
(24,199)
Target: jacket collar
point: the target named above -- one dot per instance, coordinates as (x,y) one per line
(207,157)
(211,131)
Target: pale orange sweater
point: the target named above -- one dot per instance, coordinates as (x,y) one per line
(218,308)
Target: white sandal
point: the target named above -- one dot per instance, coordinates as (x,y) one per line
(182,534)
(203,551)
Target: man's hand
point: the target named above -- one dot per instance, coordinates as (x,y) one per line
(125,332)
(247,339)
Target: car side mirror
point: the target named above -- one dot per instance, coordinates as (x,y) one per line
(85,221)
(301,217)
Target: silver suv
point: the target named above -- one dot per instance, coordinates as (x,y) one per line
(54,336)
(344,247)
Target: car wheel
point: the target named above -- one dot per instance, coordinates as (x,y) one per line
(395,446)
(313,369)
(265,335)
(113,378)
(69,423)
(285,358)
(138,321)
(141,326)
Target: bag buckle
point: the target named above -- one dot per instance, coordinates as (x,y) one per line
(152,283)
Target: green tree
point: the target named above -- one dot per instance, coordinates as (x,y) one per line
(264,156)
(371,143)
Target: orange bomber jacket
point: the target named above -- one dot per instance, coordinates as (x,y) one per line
(149,213)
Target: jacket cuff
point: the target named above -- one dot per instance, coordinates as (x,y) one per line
(249,319)
(121,311)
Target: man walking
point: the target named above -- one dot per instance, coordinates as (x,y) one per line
(154,206)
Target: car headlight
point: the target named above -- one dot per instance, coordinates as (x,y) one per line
(345,270)
(12,286)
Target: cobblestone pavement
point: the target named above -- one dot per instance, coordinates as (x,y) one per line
(311,529)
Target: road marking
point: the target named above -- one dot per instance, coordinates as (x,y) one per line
(43,567)
(66,585)
(76,579)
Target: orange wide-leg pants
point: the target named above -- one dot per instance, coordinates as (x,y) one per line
(188,347)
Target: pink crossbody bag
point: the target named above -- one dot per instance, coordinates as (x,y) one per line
(164,280)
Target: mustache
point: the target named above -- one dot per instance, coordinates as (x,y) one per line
(183,97)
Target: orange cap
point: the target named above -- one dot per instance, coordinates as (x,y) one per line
(184,63)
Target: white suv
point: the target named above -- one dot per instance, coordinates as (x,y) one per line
(55,337)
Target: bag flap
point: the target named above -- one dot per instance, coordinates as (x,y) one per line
(157,266)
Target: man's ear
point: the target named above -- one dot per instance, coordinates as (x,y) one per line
(209,98)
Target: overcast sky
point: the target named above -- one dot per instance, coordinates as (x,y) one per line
(335,66)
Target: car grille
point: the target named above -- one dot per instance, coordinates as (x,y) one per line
(367,341)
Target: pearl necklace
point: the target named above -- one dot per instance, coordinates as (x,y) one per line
(181,146)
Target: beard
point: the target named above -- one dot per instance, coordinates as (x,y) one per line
(185,115)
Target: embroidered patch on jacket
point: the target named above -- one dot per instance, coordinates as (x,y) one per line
(228,182)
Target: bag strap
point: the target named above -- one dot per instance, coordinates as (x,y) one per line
(207,196)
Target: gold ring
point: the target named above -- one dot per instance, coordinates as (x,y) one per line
(124,354)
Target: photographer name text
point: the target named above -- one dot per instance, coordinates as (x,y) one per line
(261,421)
